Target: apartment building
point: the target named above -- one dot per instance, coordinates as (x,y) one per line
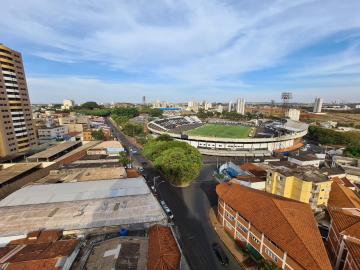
(305,184)
(52,133)
(343,241)
(279,230)
(16,127)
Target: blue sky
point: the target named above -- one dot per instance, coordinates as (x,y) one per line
(216,50)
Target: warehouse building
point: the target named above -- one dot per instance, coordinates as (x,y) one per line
(81,207)
(54,152)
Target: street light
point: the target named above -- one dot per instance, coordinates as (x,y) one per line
(154,179)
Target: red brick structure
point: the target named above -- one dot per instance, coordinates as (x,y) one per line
(280,230)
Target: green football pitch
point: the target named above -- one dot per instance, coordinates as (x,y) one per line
(221,131)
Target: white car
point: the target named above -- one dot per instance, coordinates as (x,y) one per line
(257,160)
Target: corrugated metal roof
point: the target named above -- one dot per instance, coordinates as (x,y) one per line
(54,150)
(78,191)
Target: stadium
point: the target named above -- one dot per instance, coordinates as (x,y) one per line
(226,138)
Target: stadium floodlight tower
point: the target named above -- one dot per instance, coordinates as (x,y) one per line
(285,97)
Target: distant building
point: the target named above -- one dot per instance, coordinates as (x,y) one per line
(304,184)
(305,160)
(111,148)
(344,233)
(17,132)
(68,104)
(220,108)
(52,133)
(357,106)
(230,107)
(279,230)
(240,106)
(207,106)
(318,105)
(293,114)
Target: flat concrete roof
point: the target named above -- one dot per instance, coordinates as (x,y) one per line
(84,174)
(50,152)
(78,191)
(11,171)
(119,253)
(107,144)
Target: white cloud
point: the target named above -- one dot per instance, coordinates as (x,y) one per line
(195,42)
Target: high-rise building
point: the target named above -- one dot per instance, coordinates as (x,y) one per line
(16,125)
(230,107)
(67,104)
(207,106)
(318,105)
(240,106)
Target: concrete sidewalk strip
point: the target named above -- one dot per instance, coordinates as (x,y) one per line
(242,258)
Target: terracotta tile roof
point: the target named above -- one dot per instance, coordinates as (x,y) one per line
(253,169)
(163,251)
(288,223)
(45,251)
(343,197)
(49,264)
(353,246)
(343,218)
(39,237)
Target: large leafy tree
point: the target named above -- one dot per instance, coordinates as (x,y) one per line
(179,162)
(98,135)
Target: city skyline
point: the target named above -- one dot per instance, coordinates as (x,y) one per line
(180,51)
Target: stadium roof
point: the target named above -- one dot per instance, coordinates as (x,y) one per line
(78,191)
(288,223)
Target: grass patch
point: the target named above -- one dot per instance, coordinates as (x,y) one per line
(221,131)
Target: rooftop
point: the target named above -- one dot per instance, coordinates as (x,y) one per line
(119,253)
(288,223)
(164,253)
(254,169)
(84,174)
(80,206)
(342,197)
(12,171)
(55,150)
(107,144)
(30,254)
(77,191)
(306,173)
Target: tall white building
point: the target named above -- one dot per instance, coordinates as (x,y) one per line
(318,105)
(67,104)
(207,106)
(230,106)
(240,106)
(220,108)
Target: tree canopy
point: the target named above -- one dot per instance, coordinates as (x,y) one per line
(98,135)
(179,162)
(89,105)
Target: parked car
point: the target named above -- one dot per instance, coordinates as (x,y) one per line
(257,160)
(167,210)
(220,254)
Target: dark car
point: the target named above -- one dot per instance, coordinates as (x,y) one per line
(220,254)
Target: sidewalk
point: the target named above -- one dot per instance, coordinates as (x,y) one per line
(243,259)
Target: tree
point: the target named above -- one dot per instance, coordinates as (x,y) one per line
(178,161)
(90,105)
(98,135)
(164,137)
(133,130)
(126,112)
(353,150)
(123,158)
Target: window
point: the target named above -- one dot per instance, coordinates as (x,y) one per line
(229,216)
(255,239)
(243,228)
(271,254)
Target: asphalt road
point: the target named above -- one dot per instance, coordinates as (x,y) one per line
(190,207)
